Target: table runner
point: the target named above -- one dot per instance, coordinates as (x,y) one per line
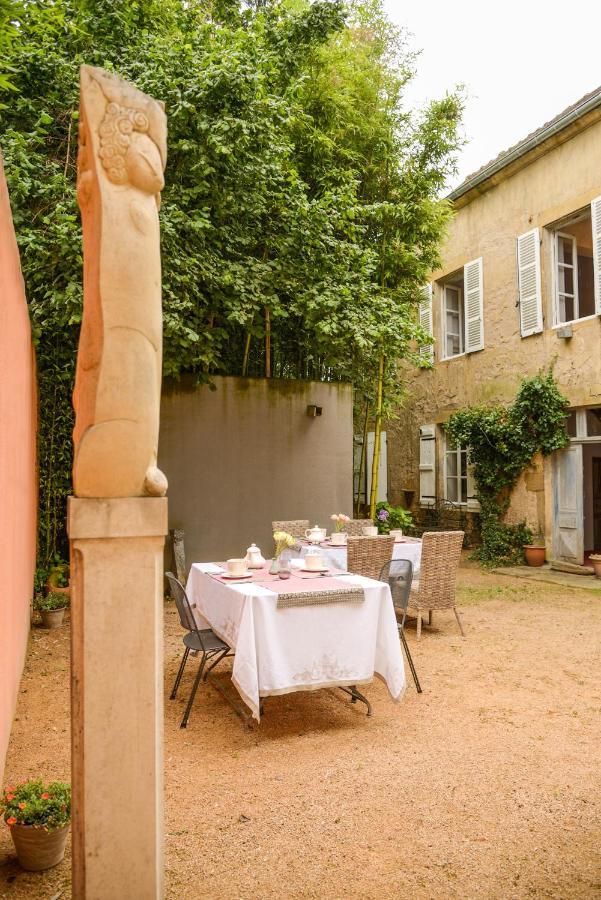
(278,651)
(336,557)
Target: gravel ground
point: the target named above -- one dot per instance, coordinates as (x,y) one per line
(486,785)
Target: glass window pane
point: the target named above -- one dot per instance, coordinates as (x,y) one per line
(464,490)
(566,281)
(464,463)
(565,250)
(593,422)
(566,309)
(452,489)
(452,300)
(452,463)
(571,423)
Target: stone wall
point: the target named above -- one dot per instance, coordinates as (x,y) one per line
(18,484)
(558,183)
(247,453)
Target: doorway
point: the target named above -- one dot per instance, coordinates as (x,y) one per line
(577,489)
(596,504)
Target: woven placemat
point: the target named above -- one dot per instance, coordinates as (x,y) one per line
(321,598)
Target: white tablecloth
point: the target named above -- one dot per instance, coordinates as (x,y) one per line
(336,556)
(300,648)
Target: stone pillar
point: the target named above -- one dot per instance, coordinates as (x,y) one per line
(117,696)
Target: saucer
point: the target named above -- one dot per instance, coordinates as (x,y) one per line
(232,577)
(317,571)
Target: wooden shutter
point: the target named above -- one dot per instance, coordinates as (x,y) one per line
(474,306)
(425,320)
(529,289)
(427,465)
(596,223)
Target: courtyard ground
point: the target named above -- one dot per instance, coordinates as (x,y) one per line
(485,786)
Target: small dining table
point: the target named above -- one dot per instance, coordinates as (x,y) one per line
(336,556)
(284,642)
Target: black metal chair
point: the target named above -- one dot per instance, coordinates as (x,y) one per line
(204,641)
(399,575)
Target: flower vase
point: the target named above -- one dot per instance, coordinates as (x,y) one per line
(275,565)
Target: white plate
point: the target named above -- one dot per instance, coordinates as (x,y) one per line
(237,577)
(317,571)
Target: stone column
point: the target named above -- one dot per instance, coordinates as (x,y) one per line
(117,696)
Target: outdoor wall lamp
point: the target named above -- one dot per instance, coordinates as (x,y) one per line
(313,410)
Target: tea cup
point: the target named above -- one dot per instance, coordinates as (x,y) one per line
(396,532)
(236,567)
(314,561)
(370,530)
(338,538)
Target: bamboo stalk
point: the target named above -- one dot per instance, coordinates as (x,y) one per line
(362,462)
(246,354)
(375,465)
(267,343)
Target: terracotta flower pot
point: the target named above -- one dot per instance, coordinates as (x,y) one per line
(53,589)
(52,618)
(595,561)
(535,555)
(38,849)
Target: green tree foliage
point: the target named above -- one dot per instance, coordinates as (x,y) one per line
(502,442)
(300,214)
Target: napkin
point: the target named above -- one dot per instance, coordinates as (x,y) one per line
(209,568)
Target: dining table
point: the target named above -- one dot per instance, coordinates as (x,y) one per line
(336,556)
(304,633)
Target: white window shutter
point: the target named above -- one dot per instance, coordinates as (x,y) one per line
(427,465)
(425,320)
(596,223)
(529,286)
(472,503)
(474,306)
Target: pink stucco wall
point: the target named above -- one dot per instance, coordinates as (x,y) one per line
(18,482)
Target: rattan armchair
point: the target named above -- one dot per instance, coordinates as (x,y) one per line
(367,555)
(441,552)
(295,527)
(355,526)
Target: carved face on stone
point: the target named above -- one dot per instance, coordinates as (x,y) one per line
(143,164)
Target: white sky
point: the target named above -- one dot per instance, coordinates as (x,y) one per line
(521,61)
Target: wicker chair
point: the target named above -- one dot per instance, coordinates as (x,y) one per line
(295,527)
(355,526)
(441,552)
(367,555)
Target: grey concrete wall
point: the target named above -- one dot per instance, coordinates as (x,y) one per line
(247,453)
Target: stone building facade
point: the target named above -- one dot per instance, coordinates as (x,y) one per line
(519,290)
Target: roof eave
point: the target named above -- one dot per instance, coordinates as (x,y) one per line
(581,117)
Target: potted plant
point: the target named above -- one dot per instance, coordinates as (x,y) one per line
(57,581)
(38,816)
(595,559)
(52,608)
(392,518)
(535,550)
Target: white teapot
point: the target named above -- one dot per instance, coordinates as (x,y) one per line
(316,534)
(254,558)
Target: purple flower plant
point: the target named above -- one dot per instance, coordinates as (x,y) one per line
(383,515)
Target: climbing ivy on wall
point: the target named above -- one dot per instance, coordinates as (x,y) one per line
(502,442)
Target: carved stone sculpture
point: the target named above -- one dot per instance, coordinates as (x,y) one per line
(122,154)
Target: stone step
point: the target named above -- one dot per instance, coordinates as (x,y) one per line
(558,565)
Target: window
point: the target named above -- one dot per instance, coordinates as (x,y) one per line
(461,311)
(456,475)
(574,269)
(584,423)
(453,324)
